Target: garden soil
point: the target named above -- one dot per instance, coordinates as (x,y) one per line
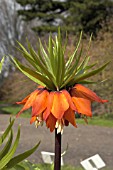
(83,142)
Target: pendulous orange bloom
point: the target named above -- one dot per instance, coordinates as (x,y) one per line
(58,108)
(82,97)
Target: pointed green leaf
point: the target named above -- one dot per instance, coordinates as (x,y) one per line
(65,43)
(84,63)
(31,58)
(38,59)
(89,66)
(88,82)
(41,51)
(89,74)
(21,157)
(7,146)
(4,135)
(31,75)
(52,55)
(74,67)
(69,76)
(86,59)
(83,70)
(60,66)
(73,56)
(23,50)
(81,76)
(47,69)
(50,51)
(9,155)
(40,63)
(73,82)
(62,61)
(55,61)
(34,76)
(63,68)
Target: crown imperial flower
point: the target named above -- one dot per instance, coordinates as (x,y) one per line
(61,93)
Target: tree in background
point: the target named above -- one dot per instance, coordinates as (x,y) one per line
(48,14)
(87,15)
(90,15)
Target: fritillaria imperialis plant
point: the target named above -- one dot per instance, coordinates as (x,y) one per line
(61,93)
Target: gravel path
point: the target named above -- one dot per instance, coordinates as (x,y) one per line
(83,142)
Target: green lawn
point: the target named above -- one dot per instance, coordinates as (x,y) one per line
(66,167)
(51,167)
(98,121)
(14,110)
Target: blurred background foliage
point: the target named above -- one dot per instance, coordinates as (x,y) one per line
(88,15)
(36,18)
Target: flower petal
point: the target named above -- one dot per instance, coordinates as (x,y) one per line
(81,91)
(83,106)
(51,122)
(49,105)
(70,116)
(33,119)
(29,102)
(40,87)
(60,105)
(24,100)
(40,103)
(68,97)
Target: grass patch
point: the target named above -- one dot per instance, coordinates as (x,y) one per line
(51,167)
(13,110)
(65,167)
(98,121)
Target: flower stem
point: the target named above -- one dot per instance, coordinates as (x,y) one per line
(57,161)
